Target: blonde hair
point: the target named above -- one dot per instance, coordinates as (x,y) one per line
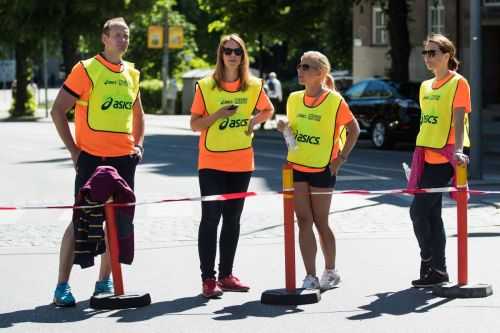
(113,22)
(446,46)
(322,62)
(244,68)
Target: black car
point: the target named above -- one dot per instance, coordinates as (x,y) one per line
(387,112)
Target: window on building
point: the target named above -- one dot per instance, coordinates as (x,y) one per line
(492,2)
(379,27)
(436,17)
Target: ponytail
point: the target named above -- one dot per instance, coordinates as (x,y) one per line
(453,63)
(330,82)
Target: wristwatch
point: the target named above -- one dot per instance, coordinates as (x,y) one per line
(141,148)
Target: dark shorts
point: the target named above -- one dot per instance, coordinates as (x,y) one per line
(317,179)
(87,163)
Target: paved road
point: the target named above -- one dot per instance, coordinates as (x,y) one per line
(377,253)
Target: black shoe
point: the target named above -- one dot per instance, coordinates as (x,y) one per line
(425,266)
(431,279)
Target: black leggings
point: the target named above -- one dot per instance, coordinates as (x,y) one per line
(425,213)
(220,182)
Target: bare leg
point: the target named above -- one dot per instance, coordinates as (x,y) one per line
(105,269)
(320,210)
(66,254)
(307,240)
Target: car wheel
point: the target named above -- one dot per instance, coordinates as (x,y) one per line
(380,136)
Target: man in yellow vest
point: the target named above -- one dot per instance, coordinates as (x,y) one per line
(109,130)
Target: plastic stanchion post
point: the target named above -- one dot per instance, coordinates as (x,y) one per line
(114,250)
(119,300)
(290,295)
(462,289)
(289,229)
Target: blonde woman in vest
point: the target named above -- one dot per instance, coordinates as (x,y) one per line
(445,104)
(222,111)
(316,116)
(109,130)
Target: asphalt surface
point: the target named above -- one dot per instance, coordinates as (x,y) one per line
(377,252)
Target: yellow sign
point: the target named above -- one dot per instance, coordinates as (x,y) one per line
(175,37)
(155,37)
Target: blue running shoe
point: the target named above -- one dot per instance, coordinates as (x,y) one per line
(63,296)
(103,287)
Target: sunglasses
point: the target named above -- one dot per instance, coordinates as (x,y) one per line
(304,67)
(227,51)
(429,53)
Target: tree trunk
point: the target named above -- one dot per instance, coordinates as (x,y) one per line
(22,73)
(399,40)
(69,50)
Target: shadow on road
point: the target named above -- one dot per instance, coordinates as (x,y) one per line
(174,306)
(49,314)
(399,303)
(254,309)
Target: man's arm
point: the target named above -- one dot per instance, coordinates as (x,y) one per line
(63,103)
(138,125)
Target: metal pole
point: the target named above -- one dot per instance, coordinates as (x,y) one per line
(476,88)
(45,77)
(164,69)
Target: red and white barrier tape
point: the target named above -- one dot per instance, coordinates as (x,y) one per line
(242,195)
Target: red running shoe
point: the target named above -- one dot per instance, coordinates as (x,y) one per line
(232,283)
(211,289)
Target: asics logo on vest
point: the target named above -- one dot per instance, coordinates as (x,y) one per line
(233,123)
(428,119)
(313,140)
(120,105)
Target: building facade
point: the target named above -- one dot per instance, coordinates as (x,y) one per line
(449,17)
(452,19)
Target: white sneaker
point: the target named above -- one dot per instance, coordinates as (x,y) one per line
(330,279)
(310,282)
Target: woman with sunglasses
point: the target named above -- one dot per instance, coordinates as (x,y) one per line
(222,111)
(444,103)
(316,116)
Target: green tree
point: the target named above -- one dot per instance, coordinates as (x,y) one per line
(278,31)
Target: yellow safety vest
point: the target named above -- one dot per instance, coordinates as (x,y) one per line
(437,112)
(313,128)
(228,134)
(112,97)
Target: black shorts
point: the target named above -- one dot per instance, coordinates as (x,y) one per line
(87,163)
(317,179)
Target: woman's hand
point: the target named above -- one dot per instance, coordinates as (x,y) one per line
(281,125)
(461,158)
(227,111)
(337,163)
(251,124)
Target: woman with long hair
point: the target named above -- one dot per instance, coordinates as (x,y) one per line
(445,104)
(222,111)
(316,117)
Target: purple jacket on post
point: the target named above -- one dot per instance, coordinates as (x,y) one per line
(87,223)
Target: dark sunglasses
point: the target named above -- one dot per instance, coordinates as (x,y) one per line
(227,51)
(429,53)
(304,67)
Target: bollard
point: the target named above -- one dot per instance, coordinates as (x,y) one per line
(461,180)
(289,228)
(119,300)
(462,289)
(114,250)
(290,295)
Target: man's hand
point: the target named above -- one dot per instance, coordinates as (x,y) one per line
(75,153)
